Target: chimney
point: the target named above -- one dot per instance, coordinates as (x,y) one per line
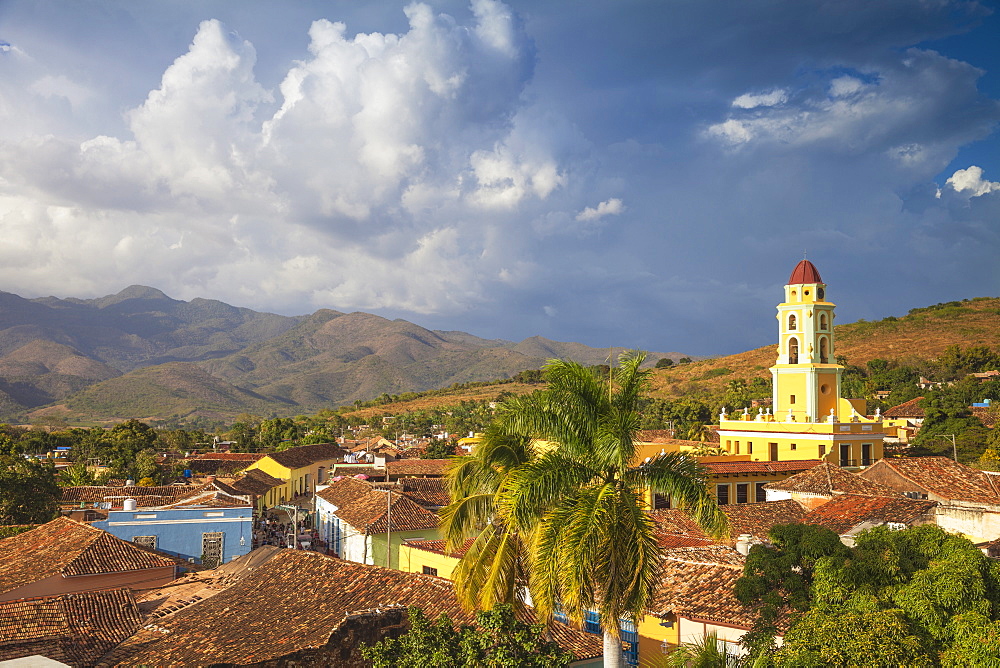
(210,478)
(743,543)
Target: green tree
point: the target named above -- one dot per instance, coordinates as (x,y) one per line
(498,639)
(700,654)
(494,569)
(664,363)
(439,450)
(583,500)
(76,475)
(29,493)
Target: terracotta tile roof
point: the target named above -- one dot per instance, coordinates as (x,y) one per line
(700,585)
(675,528)
(847,511)
(255,482)
(405,467)
(828,479)
(757,519)
(906,409)
(364,508)
(717,555)
(427,492)
(942,477)
(761,467)
(67,548)
(215,500)
(76,629)
(988,415)
(306,455)
(268,614)
(146,497)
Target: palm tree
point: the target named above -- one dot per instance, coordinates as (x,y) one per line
(582,501)
(494,568)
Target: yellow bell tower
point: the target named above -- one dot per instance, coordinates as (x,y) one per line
(806,375)
(808,419)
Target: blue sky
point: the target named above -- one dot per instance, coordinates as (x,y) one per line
(640,174)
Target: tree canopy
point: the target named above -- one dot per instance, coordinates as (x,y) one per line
(498,639)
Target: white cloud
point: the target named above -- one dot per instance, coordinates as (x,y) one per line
(611,207)
(377,177)
(905,109)
(971,181)
(769,99)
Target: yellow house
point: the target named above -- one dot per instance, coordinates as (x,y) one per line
(810,419)
(301,468)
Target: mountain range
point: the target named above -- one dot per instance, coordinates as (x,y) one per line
(142,354)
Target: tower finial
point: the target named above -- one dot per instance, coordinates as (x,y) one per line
(804,254)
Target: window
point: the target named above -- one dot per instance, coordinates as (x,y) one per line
(760,494)
(722,494)
(793,446)
(742,492)
(822,321)
(145,541)
(822,451)
(791,323)
(793,350)
(430,571)
(773,447)
(791,399)
(737,447)
(823,351)
(749,448)
(866,454)
(211,548)
(660,501)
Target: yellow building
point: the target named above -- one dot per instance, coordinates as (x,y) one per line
(810,419)
(301,468)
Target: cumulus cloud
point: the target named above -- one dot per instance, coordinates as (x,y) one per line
(971,181)
(611,207)
(377,176)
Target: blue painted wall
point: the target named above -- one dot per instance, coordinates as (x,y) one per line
(179,531)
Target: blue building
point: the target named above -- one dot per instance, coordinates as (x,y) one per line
(206,534)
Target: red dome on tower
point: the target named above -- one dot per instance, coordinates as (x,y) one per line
(804,272)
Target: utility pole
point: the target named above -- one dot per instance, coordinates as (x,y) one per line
(954,448)
(388,528)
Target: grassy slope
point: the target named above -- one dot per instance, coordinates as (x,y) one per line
(922,335)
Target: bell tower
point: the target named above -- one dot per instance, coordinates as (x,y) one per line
(806,376)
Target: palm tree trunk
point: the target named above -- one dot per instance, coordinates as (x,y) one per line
(612,651)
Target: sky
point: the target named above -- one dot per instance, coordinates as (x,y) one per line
(618,173)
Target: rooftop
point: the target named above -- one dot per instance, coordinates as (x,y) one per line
(828,479)
(268,614)
(719,467)
(369,511)
(804,272)
(907,409)
(68,548)
(845,512)
(75,629)
(301,456)
(406,467)
(942,477)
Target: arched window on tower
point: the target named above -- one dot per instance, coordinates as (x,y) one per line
(824,353)
(822,322)
(791,323)
(793,350)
